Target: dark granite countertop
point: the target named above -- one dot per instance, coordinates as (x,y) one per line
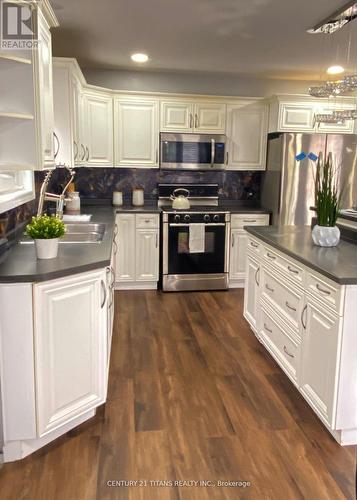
(338,263)
(146,208)
(19,263)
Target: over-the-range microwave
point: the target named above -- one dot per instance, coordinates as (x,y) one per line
(192,151)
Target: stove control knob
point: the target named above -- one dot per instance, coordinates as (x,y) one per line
(206,218)
(187,218)
(177,218)
(216,218)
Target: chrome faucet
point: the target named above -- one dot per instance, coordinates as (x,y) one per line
(60,199)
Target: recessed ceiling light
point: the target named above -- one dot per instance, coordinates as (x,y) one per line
(139,58)
(335,70)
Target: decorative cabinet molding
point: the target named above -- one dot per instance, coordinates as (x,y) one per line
(309,330)
(137,264)
(136,132)
(247,128)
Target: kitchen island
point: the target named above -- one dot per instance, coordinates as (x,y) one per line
(300,301)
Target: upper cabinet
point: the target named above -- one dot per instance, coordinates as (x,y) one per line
(136,132)
(297,114)
(99,133)
(247,127)
(196,117)
(26,102)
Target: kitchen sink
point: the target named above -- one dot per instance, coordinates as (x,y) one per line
(78,232)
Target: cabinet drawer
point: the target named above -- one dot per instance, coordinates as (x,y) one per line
(288,267)
(280,345)
(283,297)
(254,246)
(147,220)
(241,220)
(326,292)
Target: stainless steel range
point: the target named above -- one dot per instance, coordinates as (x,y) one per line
(195,241)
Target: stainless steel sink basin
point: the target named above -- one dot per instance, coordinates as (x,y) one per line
(78,232)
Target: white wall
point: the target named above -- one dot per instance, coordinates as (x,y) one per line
(200,83)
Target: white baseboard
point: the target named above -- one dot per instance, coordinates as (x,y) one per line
(237,283)
(136,285)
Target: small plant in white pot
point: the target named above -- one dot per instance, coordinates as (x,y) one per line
(326,233)
(46,231)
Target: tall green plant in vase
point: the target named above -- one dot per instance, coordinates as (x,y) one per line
(327,200)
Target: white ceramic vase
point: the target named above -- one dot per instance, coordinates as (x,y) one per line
(47,248)
(326,236)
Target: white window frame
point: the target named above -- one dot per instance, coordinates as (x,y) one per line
(16,197)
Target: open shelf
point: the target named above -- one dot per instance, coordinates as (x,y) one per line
(16,116)
(18,59)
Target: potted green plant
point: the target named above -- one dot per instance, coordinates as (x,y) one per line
(327,199)
(46,231)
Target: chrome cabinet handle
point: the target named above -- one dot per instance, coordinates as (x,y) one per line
(293,270)
(302,317)
(289,306)
(232,240)
(288,353)
(267,329)
(249,220)
(84,152)
(75,154)
(87,149)
(256,276)
(269,288)
(104,288)
(196,120)
(116,229)
(56,140)
(326,292)
(227,157)
(253,244)
(157,240)
(191,120)
(115,247)
(272,257)
(213,152)
(112,286)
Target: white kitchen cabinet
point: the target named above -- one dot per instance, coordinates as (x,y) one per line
(99,130)
(70,348)
(125,260)
(147,255)
(297,117)
(321,337)
(210,118)
(247,128)
(136,133)
(251,292)
(80,117)
(177,116)
(137,262)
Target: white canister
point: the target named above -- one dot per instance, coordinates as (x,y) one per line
(138,197)
(117,198)
(73,203)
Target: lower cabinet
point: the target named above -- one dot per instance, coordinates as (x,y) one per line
(70,317)
(137,262)
(251,293)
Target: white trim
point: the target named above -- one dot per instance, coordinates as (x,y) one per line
(143,285)
(19,197)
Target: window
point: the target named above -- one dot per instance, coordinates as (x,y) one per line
(16,188)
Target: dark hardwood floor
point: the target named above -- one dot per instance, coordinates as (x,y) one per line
(192,396)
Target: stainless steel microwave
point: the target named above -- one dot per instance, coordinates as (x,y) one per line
(192,151)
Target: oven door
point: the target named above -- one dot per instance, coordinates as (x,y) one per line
(181,261)
(192,151)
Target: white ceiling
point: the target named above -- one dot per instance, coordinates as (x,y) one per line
(260,38)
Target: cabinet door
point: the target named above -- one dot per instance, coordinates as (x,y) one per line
(335,128)
(125,239)
(136,133)
(176,116)
(147,254)
(70,348)
(251,293)
(247,128)
(99,139)
(296,117)
(319,359)
(44,95)
(210,118)
(237,260)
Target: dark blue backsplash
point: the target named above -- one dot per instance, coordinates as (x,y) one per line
(101,182)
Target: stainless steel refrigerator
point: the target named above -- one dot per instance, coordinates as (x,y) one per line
(288,183)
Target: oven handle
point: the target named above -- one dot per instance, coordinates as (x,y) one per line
(213,152)
(208,224)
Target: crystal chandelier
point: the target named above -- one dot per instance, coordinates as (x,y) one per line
(337,116)
(336,88)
